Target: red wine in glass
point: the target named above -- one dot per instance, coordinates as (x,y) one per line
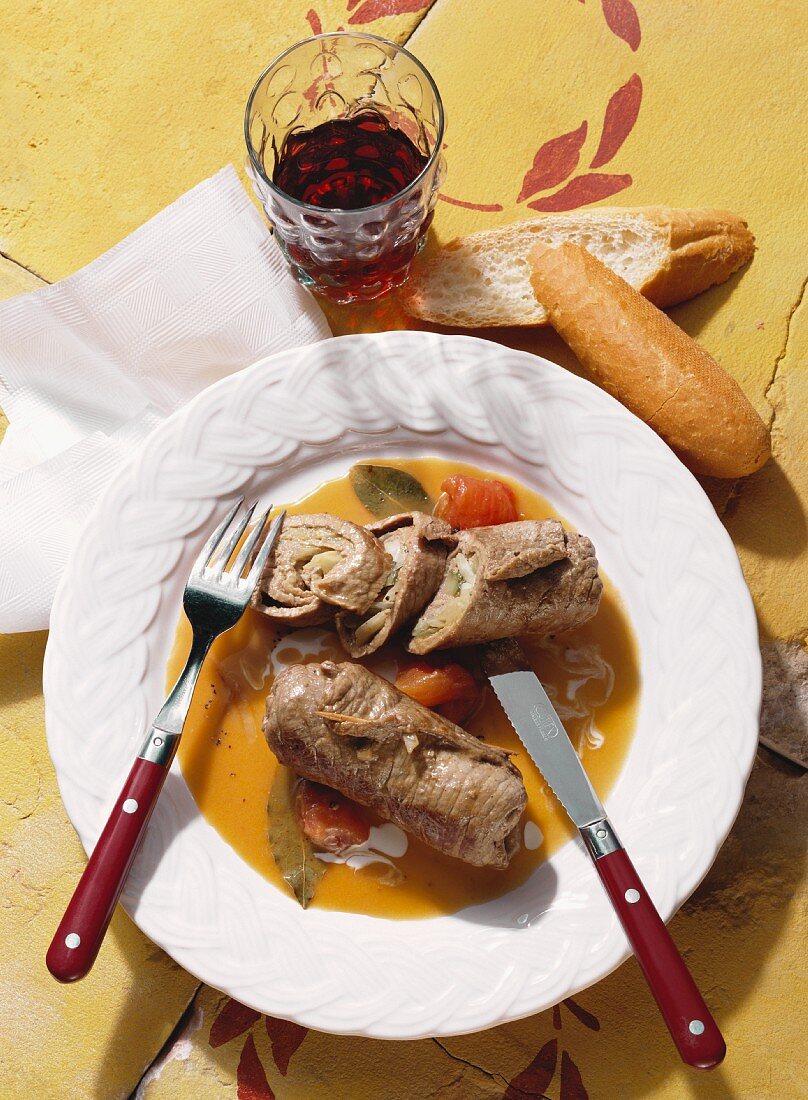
(351,164)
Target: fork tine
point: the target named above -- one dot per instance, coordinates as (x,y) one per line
(232,541)
(208,549)
(245,552)
(258,565)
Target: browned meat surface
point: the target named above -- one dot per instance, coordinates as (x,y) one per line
(320,563)
(526,578)
(505,655)
(418,545)
(386,751)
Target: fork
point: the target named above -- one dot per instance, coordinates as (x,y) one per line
(215,598)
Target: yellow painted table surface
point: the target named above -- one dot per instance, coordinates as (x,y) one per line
(109,112)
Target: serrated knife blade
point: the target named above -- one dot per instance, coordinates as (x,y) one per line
(542,732)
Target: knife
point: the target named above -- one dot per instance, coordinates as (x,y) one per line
(532,715)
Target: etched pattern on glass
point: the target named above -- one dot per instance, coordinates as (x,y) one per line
(346,255)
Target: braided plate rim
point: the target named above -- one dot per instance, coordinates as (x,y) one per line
(275,429)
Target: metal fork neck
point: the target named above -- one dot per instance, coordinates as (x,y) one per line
(161,743)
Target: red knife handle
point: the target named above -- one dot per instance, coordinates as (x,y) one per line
(692,1027)
(74,947)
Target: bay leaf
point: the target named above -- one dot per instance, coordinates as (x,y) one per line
(292,850)
(385,491)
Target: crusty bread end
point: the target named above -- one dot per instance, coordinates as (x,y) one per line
(702,248)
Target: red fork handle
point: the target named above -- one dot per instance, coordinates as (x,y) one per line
(692,1027)
(74,947)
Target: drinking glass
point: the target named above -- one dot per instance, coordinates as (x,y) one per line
(358,254)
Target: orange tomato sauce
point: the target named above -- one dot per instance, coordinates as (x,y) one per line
(592,672)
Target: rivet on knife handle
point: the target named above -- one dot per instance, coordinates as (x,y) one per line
(600,838)
(688,1019)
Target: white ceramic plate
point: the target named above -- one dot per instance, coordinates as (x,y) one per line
(278,429)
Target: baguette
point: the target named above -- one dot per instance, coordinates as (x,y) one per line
(646,361)
(669,255)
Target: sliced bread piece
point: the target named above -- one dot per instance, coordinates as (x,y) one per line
(669,255)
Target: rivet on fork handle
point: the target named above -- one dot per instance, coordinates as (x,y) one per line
(78,938)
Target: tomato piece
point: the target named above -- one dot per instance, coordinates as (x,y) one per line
(460,711)
(329,819)
(445,685)
(476,502)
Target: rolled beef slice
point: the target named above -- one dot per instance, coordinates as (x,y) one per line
(342,725)
(418,544)
(321,563)
(526,578)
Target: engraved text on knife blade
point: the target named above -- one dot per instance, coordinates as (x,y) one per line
(540,730)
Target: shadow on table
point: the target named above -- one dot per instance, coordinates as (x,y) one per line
(766,515)
(21,657)
(695,314)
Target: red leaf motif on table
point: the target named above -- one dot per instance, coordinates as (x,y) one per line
(314,21)
(485,206)
(621,19)
(250,1077)
(286,1037)
(621,114)
(581,191)
(556,1017)
(234,1019)
(555,161)
(586,1018)
(533,1080)
(572,1087)
(377,9)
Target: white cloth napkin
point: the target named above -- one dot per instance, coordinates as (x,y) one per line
(90,365)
